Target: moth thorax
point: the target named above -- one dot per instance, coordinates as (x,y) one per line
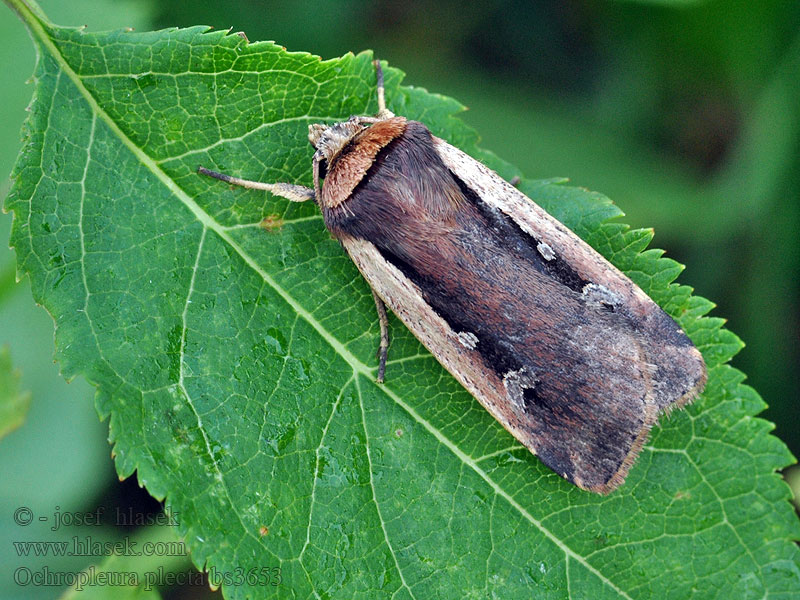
(331,139)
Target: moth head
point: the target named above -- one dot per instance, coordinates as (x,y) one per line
(330,140)
(345,152)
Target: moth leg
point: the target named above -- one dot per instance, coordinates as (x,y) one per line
(383,112)
(295,193)
(383,349)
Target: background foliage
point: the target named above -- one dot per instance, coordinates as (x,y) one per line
(687,118)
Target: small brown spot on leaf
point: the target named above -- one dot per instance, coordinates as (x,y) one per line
(271,223)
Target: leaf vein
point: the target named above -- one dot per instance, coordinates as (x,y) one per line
(240,138)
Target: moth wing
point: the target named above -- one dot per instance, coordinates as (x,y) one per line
(594,445)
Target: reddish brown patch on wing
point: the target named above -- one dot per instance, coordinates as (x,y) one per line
(350,167)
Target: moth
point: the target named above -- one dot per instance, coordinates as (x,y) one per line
(565,351)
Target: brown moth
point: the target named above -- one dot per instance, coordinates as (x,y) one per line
(565,351)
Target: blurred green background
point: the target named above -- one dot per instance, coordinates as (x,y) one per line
(686,113)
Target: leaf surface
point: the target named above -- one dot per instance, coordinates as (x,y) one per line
(232,345)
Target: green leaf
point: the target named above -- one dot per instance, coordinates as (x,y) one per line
(13,403)
(236,364)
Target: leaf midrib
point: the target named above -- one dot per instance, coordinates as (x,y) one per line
(41,36)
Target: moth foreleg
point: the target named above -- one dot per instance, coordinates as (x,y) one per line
(295,193)
(383,349)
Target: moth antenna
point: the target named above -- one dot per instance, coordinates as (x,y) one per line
(295,193)
(382,112)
